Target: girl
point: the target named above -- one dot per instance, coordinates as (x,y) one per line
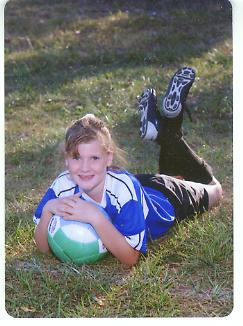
(141,207)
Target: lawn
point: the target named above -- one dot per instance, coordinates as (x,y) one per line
(67,58)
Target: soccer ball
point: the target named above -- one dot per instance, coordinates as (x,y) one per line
(74,241)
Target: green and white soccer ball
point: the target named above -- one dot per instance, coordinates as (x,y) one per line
(74,241)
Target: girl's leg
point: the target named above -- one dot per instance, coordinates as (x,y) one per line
(188,198)
(176,156)
(202,191)
(214,190)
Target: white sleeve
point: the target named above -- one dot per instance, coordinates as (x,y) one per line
(136,240)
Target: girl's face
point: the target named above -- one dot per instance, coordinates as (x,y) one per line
(88,170)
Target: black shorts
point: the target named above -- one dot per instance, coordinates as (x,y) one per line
(186,199)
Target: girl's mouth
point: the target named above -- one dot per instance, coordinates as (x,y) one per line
(85,177)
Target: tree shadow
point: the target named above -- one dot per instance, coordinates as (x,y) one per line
(151,33)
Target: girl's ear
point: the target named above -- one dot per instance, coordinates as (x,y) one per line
(66,162)
(109,159)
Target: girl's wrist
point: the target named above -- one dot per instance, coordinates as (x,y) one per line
(97,219)
(46,213)
(46,210)
(48,207)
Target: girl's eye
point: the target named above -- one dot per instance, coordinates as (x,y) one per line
(95,158)
(76,157)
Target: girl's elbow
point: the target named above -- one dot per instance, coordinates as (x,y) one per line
(132,259)
(41,243)
(42,247)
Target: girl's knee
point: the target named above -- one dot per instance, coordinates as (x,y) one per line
(215,193)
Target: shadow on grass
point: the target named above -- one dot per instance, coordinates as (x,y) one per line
(153,33)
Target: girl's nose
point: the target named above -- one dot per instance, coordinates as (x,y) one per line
(84,166)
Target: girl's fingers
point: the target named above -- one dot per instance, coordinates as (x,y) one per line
(64,212)
(66,215)
(72,198)
(69,201)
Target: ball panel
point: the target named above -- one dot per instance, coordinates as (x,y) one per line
(102,248)
(89,259)
(73,241)
(54,225)
(79,230)
(58,251)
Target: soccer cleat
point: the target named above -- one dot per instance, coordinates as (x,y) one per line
(177,92)
(149,115)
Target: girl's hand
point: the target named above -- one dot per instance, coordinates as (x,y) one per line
(60,206)
(79,209)
(74,208)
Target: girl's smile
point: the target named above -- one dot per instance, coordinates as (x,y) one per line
(86,177)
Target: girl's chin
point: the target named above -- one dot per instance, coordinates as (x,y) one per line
(85,186)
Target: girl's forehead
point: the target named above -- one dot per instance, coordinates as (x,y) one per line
(93,145)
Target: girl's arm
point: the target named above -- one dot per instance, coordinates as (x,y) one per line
(112,239)
(41,231)
(56,206)
(72,208)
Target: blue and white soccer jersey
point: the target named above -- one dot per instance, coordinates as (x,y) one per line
(127,208)
(123,200)
(138,213)
(63,186)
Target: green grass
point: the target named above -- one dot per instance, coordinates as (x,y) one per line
(64,59)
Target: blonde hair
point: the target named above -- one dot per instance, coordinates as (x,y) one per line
(90,128)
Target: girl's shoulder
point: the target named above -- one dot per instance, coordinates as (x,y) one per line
(122,183)
(63,185)
(119,175)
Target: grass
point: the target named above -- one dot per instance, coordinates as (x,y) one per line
(64,60)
